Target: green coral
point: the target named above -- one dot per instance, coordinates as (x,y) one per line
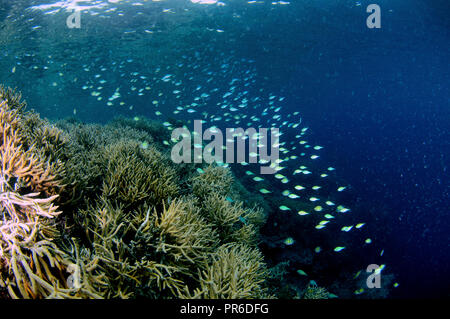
(236,272)
(233,222)
(32,265)
(130,223)
(135,175)
(313,291)
(214,180)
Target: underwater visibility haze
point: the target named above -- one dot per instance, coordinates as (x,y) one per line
(355,100)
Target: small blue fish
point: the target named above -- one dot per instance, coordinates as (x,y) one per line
(228,198)
(243,220)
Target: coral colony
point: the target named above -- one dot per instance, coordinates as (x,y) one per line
(92,211)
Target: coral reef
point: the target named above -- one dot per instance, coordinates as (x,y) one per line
(136,175)
(315,292)
(231,220)
(31,264)
(214,180)
(237,272)
(92,211)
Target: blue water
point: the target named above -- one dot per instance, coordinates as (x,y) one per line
(378,100)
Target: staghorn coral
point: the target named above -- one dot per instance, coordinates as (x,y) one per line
(153,129)
(42,270)
(32,265)
(236,271)
(19,163)
(214,180)
(184,234)
(315,292)
(50,141)
(231,220)
(12,99)
(84,155)
(21,170)
(135,175)
(133,225)
(121,244)
(105,224)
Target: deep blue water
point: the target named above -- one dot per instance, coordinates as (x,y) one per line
(378,100)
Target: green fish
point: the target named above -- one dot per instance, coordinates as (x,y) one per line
(243,220)
(357,274)
(301,272)
(144,145)
(228,198)
(359,291)
(286,193)
(346,228)
(342,209)
(289,241)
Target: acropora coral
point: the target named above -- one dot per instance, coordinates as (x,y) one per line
(31,263)
(313,291)
(100,211)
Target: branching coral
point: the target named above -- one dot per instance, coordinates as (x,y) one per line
(116,242)
(32,265)
(214,180)
(231,220)
(184,234)
(49,141)
(41,270)
(135,175)
(150,131)
(12,99)
(134,224)
(315,292)
(86,156)
(21,167)
(237,271)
